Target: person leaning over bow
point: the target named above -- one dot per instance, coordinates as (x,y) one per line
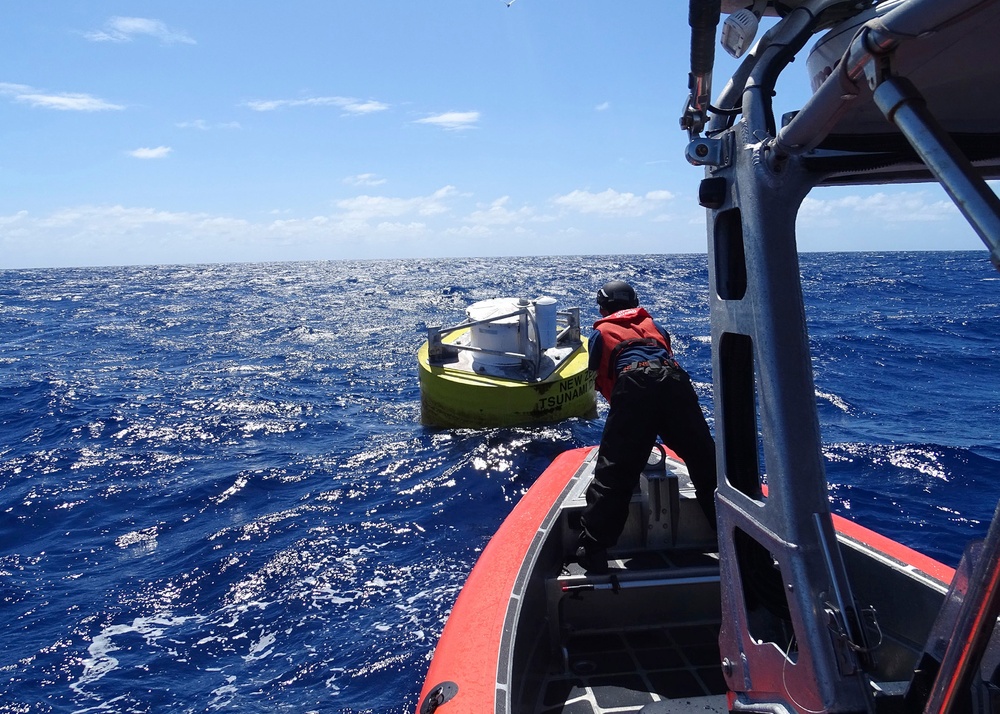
(649,395)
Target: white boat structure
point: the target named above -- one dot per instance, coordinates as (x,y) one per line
(791,610)
(512,361)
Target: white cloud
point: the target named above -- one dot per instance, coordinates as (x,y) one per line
(613,203)
(65,101)
(113,219)
(159,152)
(126,29)
(443,222)
(447,222)
(368,208)
(498,214)
(368,107)
(907,218)
(903,207)
(14,89)
(603,107)
(115,235)
(452,120)
(364,180)
(202,125)
(348,104)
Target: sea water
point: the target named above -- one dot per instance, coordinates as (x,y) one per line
(216,493)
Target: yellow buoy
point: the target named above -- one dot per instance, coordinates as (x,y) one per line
(512,362)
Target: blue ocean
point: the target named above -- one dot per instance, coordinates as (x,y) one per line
(216,494)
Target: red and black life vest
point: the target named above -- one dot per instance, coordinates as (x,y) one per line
(619,331)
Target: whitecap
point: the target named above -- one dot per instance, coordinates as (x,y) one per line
(101,660)
(835,400)
(262,648)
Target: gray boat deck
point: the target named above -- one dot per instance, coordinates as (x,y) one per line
(632,670)
(669,652)
(643,638)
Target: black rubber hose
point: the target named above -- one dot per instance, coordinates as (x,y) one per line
(703,17)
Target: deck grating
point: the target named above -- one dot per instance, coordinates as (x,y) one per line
(623,672)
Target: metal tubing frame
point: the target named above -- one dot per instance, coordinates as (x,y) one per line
(793,525)
(751,242)
(903,106)
(865,72)
(856,75)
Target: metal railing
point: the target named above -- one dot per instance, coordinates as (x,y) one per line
(440,352)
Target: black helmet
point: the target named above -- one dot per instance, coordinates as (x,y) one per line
(617,295)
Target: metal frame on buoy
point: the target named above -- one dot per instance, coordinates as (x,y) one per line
(567,338)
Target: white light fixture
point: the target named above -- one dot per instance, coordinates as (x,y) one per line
(738,31)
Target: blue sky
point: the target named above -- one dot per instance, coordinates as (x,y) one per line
(224,131)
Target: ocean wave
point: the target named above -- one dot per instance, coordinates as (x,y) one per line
(216,493)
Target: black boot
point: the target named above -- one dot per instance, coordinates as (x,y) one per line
(591,556)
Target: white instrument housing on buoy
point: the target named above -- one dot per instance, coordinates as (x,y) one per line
(498,326)
(545,317)
(510,338)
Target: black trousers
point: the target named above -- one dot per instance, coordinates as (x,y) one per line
(647,402)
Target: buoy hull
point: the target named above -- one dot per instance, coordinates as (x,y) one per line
(460,398)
